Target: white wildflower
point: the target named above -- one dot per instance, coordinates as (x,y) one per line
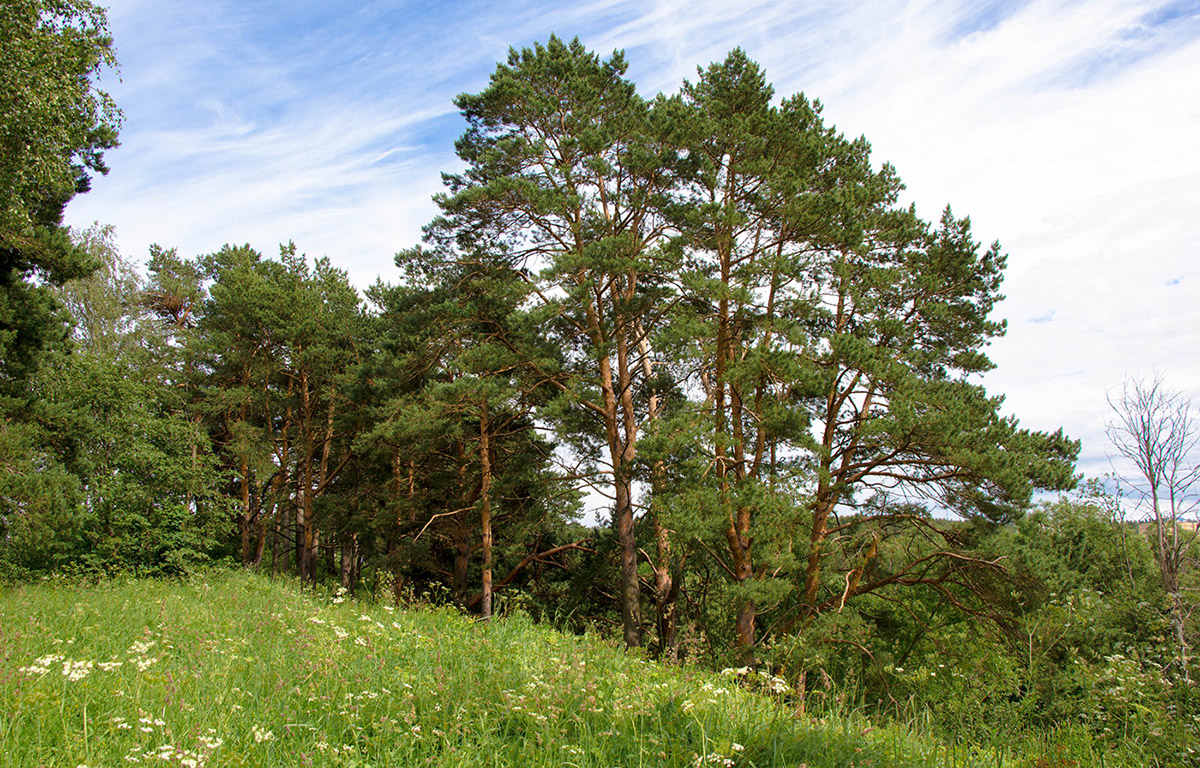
(76,670)
(209,742)
(41,665)
(140,648)
(144,664)
(34,669)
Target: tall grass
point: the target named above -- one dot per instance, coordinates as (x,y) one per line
(232,669)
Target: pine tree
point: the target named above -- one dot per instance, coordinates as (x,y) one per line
(567,172)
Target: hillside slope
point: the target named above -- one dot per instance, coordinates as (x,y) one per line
(237,670)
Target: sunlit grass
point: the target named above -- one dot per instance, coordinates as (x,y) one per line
(235,670)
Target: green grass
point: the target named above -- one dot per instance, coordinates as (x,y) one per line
(236,670)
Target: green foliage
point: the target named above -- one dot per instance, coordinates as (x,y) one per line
(105,474)
(54,126)
(117,487)
(747,323)
(269,344)
(568,173)
(39,498)
(445,383)
(106,306)
(1067,655)
(139,499)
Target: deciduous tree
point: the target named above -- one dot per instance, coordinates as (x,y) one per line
(55,124)
(1155,429)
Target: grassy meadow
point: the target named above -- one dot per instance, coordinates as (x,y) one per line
(237,670)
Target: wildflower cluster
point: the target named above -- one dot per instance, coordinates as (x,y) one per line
(717,758)
(41,665)
(75,670)
(759,679)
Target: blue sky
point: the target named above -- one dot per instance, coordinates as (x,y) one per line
(1066,130)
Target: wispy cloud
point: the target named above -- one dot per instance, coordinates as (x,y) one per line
(1065,129)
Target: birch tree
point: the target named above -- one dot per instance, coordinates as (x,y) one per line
(1155,429)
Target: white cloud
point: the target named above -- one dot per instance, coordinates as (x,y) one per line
(1064,129)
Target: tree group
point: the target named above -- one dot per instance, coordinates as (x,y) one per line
(708,305)
(732,288)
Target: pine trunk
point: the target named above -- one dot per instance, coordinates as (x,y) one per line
(485,507)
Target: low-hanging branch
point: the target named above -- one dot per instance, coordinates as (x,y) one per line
(526,561)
